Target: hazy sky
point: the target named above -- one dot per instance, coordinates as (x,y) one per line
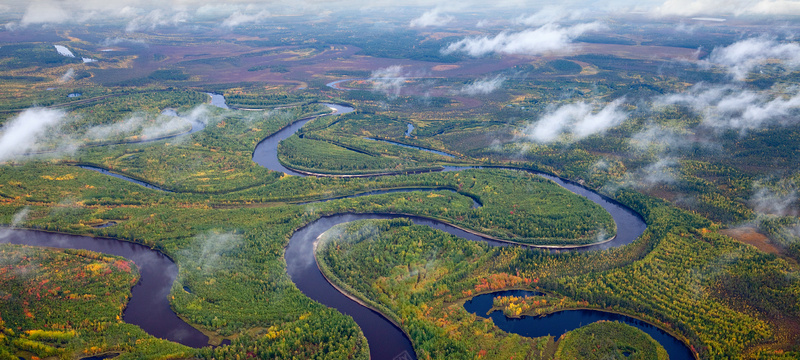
(142,13)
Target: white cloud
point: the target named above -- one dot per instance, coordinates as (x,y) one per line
(155,19)
(547,38)
(431,18)
(776,7)
(216,11)
(121,41)
(239,18)
(125,128)
(483,86)
(659,172)
(579,120)
(69,75)
(655,136)
(685,28)
(41,130)
(130,11)
(551,15)
(731,107)
(45,11)
(794,230)
(666,141)
(58,12)
(388,80)
(768,201)
(20,217)
(209,249)
(174,124)
(734,7)
(744,56)
(22,134)
(145,127)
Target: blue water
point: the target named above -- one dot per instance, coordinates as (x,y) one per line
(123,177)
(218,101)
(148,306)
(559,323)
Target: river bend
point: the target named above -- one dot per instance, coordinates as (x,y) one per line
(386,340)
(149,306)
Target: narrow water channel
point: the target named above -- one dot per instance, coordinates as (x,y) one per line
(266,152)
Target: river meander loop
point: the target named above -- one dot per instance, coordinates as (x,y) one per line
(385,338)
(149,306)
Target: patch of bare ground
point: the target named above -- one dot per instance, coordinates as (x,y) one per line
(786,328)
(644,52)
(467,102)
(662,193)
(750,236)
(445,67)
(787,335)
(586,68)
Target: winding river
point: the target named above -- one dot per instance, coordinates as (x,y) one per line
(386,340)
(149,306)
(266,152)
(335,84)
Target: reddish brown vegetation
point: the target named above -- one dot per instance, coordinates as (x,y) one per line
(750,236)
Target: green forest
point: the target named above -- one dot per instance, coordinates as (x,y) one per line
(646,113)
